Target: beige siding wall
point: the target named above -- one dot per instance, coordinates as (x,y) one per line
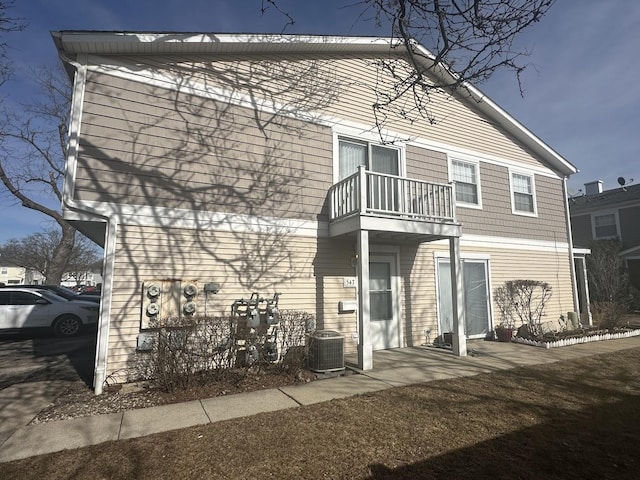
(420,311)
(347,89)
(144,145)
(496,217)
(426,165)
(308,272)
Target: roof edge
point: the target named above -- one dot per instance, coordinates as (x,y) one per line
(71,42)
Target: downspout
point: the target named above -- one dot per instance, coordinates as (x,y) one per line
(574,281)
(68,201)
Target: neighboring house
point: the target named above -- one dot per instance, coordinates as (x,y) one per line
(12,275)
(88,278)
(609,214)
(254,162)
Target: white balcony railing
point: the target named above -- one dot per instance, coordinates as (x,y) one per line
(391,196)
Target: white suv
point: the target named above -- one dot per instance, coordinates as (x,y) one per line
(28,308)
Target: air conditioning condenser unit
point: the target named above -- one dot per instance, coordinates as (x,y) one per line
(326,351)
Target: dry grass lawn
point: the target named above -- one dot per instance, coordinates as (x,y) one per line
(572,420)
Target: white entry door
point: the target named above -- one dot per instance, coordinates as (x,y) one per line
(476,297)
(383,298)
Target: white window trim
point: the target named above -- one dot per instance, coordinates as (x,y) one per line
(613,212)
(368,137)
(533,187)
(476,163)
(482,257)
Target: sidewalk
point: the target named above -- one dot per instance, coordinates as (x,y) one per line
(392,368)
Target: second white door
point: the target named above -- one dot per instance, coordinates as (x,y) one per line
(383,298)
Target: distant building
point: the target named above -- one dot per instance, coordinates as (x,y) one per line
(609,214)
(87,279)
(13,275)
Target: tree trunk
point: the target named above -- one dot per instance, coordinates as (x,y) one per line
(61,255)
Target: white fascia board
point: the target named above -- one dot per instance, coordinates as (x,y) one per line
(471,155)
(491,109)
(190,219)
(72,42)
(508,243)
(510,124)
(581,251)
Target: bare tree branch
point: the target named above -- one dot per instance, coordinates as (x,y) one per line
(266,4)
(467,40)
(38,252)
(32,152)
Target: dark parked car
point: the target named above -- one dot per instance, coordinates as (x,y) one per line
(27,308)
(64,292)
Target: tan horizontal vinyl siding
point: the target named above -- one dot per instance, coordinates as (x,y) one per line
(419,300)
(307,272)
(426,165)
(552,268)
(142,145)
(496,217)
(455,122)
(507,264)
(346,89)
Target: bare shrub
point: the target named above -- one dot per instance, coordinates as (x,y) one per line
(294,327)
(608,314)
(609,287)
(197,350)
(523,302)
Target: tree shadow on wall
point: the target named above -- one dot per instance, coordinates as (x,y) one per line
(219,179)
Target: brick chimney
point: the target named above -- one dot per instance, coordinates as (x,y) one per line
(593,188)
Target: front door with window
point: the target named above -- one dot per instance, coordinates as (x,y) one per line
(385,322)
(476,297)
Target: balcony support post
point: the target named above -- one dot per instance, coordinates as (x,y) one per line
(365,348)
(459,339)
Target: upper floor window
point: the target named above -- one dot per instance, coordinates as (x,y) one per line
(466,176)
(377,158)
(605,226)
(523,194)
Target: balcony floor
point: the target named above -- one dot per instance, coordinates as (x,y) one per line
(394,229)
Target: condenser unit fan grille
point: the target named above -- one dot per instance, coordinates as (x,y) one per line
(326,351)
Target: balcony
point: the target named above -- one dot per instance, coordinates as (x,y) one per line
(392,207)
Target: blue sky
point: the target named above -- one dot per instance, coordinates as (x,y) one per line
(581,92)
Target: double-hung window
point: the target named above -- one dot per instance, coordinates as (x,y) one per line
(467,178)
(605,226)
(523,195)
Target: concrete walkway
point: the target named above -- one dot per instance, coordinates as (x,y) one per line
(392,368)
